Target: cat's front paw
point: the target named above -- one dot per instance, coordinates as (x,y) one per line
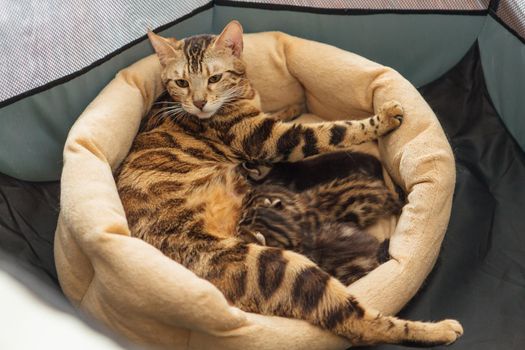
(390,115)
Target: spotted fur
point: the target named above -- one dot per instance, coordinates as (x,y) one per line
(321,213)
(182,190)
(324,223)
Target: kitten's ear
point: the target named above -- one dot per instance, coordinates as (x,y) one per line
(231,37)
(163,47)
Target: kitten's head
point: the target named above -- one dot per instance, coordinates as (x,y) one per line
(202,72)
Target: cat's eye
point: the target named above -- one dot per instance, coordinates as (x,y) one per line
(214,78)
(182,83)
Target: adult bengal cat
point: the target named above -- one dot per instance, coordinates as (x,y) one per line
(182,191)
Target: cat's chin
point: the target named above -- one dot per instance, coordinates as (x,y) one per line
(204,115)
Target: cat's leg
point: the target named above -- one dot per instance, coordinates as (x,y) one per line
(257,172)
(272,141)
(288,113)
(276,282)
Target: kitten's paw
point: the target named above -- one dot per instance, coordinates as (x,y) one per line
(272,203)
(391,114)
(255,172)
(260,238)
(451,330)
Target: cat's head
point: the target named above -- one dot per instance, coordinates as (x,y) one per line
(203,72)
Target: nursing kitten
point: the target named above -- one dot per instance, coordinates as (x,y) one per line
(335,197)
(302,175)
(182,191)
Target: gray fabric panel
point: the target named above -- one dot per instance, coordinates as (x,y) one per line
(421,47)
(503,58)
(46,40)
(479,278)
(512,12)
(33,130)
(381,4)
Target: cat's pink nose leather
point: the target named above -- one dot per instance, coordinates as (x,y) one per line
(200,103)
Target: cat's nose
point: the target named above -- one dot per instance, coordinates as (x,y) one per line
(200,103)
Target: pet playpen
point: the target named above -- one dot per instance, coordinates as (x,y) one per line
(466,58)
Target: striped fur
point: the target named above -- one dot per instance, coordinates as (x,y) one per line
(325,222)
(182,191)
(302,175)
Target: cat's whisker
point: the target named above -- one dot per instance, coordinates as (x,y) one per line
(176,113)
(161,114)
(165,103)
(161,110)
(229,98)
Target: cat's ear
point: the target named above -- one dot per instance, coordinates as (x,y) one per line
(163,47)
(231,37)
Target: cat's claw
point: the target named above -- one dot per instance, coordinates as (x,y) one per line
(272,203)
(260,238)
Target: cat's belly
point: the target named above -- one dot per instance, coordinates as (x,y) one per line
(221,203)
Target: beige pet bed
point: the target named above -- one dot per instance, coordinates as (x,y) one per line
(131,287)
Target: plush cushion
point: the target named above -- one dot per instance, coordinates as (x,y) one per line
(134,289)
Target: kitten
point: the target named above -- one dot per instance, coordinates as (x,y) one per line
(182,191)
(325,222)
(302,175)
